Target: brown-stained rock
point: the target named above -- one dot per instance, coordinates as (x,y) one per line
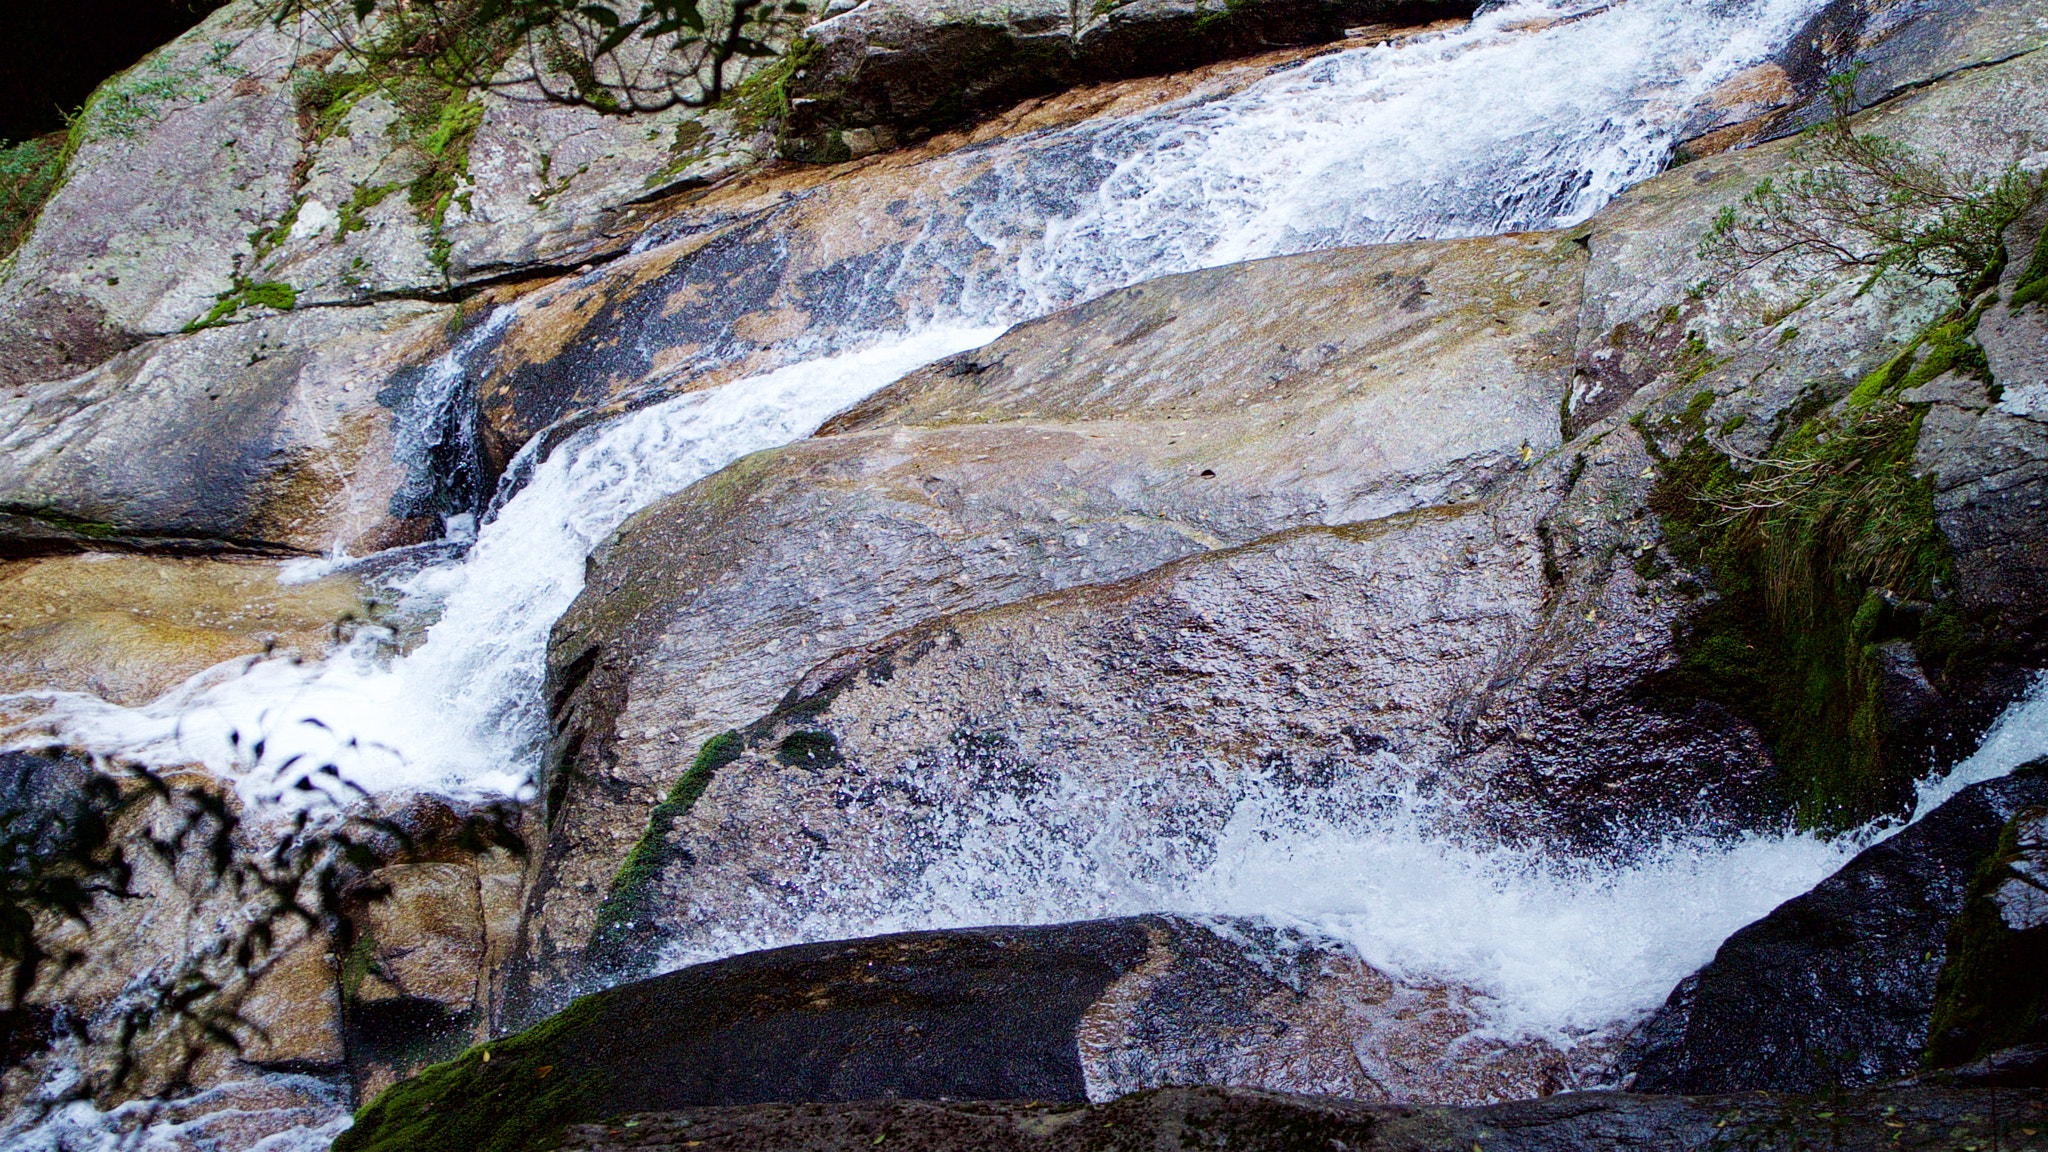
(129,628)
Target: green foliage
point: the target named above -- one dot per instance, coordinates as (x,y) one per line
(511,1095)
(1865,202)
(1813,548)
(72,833)
(1990,992)
(29,173)
(622,919)
(268,294)
(613,55)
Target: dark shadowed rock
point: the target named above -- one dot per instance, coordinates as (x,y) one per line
(902,69)
(1838,985)
(1069,1012)
(1173,1119)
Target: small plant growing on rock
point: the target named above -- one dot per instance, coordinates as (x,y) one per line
(1865,202)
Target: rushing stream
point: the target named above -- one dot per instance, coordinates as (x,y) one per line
(1533,116)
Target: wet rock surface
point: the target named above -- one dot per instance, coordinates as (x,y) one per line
(1838,985)
(130,628)
(265,437)
(1195,412)
(1179,1118)
(1069,1012)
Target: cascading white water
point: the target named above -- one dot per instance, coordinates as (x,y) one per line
(1533,116)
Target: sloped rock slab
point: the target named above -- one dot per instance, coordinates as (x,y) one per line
(1187,413)
(1173,1119)
(1837,985)
(1068,1012)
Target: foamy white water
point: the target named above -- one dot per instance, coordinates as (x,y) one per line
(1533,116)
(279,1112)
(2020,735)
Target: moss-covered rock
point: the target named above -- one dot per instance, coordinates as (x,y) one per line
(1995,981)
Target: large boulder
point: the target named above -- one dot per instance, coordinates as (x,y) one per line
(1194,412)
(266,437)
(1836,986)
(1069,1012)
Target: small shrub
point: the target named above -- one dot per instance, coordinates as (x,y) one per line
(1865,202)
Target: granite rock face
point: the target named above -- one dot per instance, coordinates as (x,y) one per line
(1191,413)
(266,437)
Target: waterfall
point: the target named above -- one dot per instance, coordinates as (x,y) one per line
(1533,116)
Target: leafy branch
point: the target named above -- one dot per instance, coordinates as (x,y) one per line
(1866,202)
(75,837)
(606,54)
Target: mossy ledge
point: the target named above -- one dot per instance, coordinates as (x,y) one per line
(511,1095)
(1820,552)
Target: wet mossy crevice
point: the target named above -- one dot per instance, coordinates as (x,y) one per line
(1992,986)
(621,943)
(1826,563)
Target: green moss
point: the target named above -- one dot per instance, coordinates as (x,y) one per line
(512,1095)
(1991,989)
(92,529)
(353,216)
(269,294)
(1808,551)
(623,918)
(763,98)
(2033,282)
